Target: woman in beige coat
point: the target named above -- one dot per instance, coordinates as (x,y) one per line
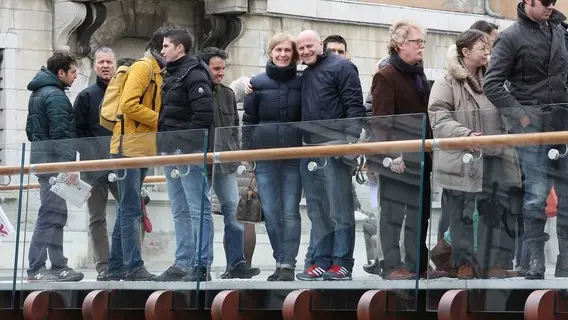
(472,180)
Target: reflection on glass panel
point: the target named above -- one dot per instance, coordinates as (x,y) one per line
(499,218)
(103,220)
(310,191)
(10,217)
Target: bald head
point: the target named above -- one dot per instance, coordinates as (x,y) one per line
(309,34)
(309,46)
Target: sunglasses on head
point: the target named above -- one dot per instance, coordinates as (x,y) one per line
(547,3)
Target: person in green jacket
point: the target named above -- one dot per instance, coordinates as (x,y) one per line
(50,123)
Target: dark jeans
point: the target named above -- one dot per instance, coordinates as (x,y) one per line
(393,212)
(125,251)
(48,232)
(330,208)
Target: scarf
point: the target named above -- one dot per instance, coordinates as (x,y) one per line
(415,73)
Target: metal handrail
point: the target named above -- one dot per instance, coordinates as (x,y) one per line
(367,148)
(31,186)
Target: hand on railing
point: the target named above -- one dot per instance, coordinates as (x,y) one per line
(554,154)
(313,166)
(396,165)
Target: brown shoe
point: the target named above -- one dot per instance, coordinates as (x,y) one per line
(400,274)
(434,274)
(498,272)
(441,256)
(465,272)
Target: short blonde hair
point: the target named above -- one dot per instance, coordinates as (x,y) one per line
(278,39)
(398,33)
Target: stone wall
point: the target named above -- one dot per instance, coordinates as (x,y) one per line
(366,45)
(25,35)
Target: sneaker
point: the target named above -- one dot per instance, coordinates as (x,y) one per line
(42,275)
(110,276)
(240,271)
(105,276)
(274,276)
(140,275)
(66,274)
(285,275)
(198,274)
(373,267)
(312,273)
(172,274)
(337,272)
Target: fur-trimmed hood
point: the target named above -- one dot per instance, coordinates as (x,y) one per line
(453,65)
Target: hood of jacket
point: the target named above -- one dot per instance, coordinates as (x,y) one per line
(454,66)
(44,78)
(555,18)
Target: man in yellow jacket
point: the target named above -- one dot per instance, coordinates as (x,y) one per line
(135,136)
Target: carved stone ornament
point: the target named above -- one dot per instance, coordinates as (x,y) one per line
(74,22)
(221,30)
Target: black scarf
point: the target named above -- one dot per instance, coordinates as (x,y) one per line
(280,74)
(414,73)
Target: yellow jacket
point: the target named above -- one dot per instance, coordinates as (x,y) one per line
(140,116)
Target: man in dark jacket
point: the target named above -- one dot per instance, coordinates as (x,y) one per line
(223,178)
(331,90)
(531,54)
(95,145)
(50,123)
(187,105)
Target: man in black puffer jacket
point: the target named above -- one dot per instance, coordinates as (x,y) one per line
(94,145)
(187,105)
(50,123)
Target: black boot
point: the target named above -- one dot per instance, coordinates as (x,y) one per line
(536,262)
(562,259)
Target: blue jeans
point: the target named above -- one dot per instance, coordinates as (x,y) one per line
(186,195)
(280,190)
(330,207)
(125,251)
(535,166)
(48,232)
(227,191)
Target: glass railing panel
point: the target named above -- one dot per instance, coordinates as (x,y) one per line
(497,223)
(99,216)
(11,200)
(308,207)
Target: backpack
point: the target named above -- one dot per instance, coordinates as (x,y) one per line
(109,111)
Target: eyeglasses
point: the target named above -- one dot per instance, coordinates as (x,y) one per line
(418,42)
(483,49)
(547,3)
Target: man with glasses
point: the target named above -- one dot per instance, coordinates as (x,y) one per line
(531,54)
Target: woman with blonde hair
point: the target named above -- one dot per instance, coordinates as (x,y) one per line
(275,100)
